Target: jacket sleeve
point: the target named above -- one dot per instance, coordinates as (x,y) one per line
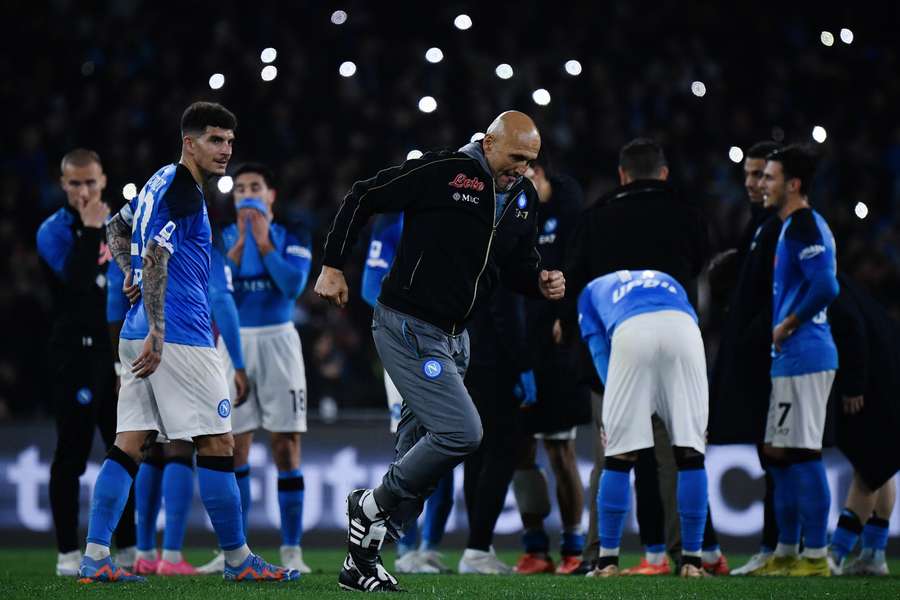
(391,190)
(849,331)
(75,261)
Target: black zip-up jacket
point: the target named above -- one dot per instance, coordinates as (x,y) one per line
(452,253)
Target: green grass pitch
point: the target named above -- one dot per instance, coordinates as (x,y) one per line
(29,574)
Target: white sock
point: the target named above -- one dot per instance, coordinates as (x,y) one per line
(608,552)
(815,552)
(96,551)
(711,556)
(787,549)
(237,556)
(146,554)
(655,558)
(172,556)
(696,554)
(370,506)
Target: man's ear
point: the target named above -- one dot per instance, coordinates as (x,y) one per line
(102,181)
(663,173)
(488,141)
(624,179)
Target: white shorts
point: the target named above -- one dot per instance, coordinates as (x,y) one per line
(394,401)
(557,436)
(273,359)
(657,365)
(797,409)
(187,395)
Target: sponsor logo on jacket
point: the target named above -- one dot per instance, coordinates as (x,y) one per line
(467,183)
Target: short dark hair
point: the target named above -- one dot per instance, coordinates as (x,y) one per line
(200,115)
(762,149)
(642,158)
(798,161)
(259,169)
(80,157)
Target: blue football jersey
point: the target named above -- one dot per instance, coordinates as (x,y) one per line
(805,263)
(382,249)
(171,210)
(613,298)
(266,287)
(116,302)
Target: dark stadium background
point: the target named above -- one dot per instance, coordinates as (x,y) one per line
(114,76)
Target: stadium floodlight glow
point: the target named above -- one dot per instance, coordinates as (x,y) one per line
(861,210)
(268,55)
(541,97)
(573,67)
(339,17)
(434,55)
(269,73)
(827,38)
(216,81)
(698,88)
(129,191)
(225,184)
(413,154)
(462,22)
(347,69)
(735,154)
(504,71)
(819,134)
(477,136)
(427,104)
(847,38)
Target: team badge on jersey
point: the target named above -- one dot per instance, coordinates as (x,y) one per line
(224,408)
(432,369)
(521,200)
(84,396)
(550,225)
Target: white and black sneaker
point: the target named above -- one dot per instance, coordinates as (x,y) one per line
(363,570)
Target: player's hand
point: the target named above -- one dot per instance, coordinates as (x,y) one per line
(552,284)
(332,286)
(853,404)
(557,332)
(783,331)
(241,386)
(93,213)
(259,228)
(151,355)
(131,291)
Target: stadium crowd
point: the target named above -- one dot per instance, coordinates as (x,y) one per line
(117,74)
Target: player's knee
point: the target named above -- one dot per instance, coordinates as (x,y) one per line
(215,445)
(178,449)
(687,459)
(132,443)
(469,439)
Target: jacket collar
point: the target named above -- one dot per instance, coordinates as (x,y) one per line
(475,151)
(641,186)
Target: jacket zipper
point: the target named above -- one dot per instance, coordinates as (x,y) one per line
(488,253)
(415,268)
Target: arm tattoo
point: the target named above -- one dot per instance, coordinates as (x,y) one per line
(118,238)
(155,275)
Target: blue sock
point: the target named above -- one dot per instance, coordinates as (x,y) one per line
(290,501)
(692,506)
(437,511)
(814,499)
(110,495)
(147,499)
(845,534)
(613,502)
(787,513)
(410,538)
(572,543)
(875,534)
(242,474)
(536,541)
(222,499)
(178,491)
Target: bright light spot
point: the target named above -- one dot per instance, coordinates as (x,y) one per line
(269,73)
(427,104)
(462,22)
(698,88)
(347,69)
(819,134)
(216,81)
(434,55)
(541,97)
(129,191)
(847,38)
(827,38)
(735,154)
(225,184)
(573,67)
(476,137)
(413,154)
(268,55)
(339,17)
(504,71)
(861,210)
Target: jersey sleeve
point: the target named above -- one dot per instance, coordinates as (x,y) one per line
(290,269)
(594,331)
(382,249)
(815,257)
(53,246)
(224,310)
(117,304)
(176,211)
